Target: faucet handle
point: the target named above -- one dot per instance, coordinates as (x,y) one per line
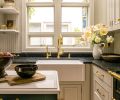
(69,56)
(48,54)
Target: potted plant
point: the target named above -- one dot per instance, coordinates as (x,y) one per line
(98,36)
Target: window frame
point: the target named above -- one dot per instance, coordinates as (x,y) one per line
(57,4)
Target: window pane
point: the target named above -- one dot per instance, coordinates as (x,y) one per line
(40,0)
(74,0)
(75,41)
(41,41)
(74,19)
(38,20)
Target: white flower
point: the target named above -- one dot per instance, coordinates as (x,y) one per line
(97,39)
(109,39)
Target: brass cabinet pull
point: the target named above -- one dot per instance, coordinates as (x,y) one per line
(1,99)
(113,98)
(99,75)
(17,99)
(100,93)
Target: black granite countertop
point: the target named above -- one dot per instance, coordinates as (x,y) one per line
(33,60)
(107,66)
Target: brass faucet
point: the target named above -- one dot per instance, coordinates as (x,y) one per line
(48,54)
(59,45)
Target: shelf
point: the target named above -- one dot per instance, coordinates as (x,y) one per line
(10,10)
(9,30)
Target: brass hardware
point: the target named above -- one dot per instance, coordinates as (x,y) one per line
(69,55)
(48,54)
(113,98)
(59,45)
(100,75)
(100,93)
(114,74)
(17,99)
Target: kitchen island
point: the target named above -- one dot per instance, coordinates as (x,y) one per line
(47,89)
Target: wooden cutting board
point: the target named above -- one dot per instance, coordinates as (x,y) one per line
(15,80)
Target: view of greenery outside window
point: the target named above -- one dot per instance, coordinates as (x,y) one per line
(43,15)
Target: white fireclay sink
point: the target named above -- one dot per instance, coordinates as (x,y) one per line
(58,62)
(68,70)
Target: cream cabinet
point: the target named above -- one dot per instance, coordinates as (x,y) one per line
(100,11)
(74,78)
(107,12)
(102,84)
(70,92)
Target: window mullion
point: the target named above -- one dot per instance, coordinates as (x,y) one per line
(57,26)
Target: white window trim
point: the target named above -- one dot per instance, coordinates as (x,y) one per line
(57,25)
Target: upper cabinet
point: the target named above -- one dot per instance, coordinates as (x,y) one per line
(9,20)
(107,12)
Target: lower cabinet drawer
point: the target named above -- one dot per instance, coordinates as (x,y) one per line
(101,92)
(102,75)
(28,97)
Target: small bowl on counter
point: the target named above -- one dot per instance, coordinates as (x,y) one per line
(26,71)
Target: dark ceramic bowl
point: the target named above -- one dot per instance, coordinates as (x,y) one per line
(111,57)
(26,71)
(5,61)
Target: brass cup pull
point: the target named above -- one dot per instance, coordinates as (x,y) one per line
(100,93)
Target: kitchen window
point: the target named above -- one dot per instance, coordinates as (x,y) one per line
(46,19)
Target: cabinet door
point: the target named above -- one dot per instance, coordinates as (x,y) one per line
(102,87)
(101,92)
(100,11)
(112,13)
(71,92)
(117,13)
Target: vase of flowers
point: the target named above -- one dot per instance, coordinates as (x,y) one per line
(98,36)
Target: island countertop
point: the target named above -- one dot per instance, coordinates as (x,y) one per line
(48,86)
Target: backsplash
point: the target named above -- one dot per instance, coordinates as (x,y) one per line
(117,42)
(111,48)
